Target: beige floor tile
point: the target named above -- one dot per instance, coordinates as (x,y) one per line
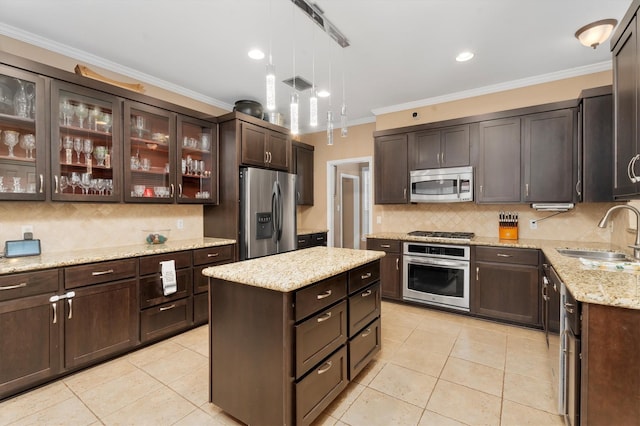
(160,407)
(370,371)
(444,326)
(529,391)
(194,339)
(429,418)
(98,375)
(219,416)
(395,331)
(389,348)
(432,341)
(324,420)
(519,344)
(481,335)
(514,414)
(528,364)
(402,319)
(491,325)
(176,365)
(464,404)
(119,392)
(486,354)
(193,386)
(426,362)
(68,413)
(473,375)
(375,408)
(33,402)
(528,333)
(198,418)
(404,384)
(153,353)
(342,403)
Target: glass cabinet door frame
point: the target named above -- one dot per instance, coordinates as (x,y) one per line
(37,124)
(184,150)
(129,107)
(116,141)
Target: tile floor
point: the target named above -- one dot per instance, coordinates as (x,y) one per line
(435,369)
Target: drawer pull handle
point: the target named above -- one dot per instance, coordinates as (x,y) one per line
(503,255)
(11,287)
(325,369)
(385,245)
(213,254)
(300,241)
(324,295)
(366,293)
(98,273)
(324,317)
(166,308)
(70,302)
(365,276)
(319,238)
(55,313)
(569,307)
(366,332)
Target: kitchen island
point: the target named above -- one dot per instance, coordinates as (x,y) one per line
(289,331)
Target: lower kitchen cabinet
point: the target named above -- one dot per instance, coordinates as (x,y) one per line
(390,266)
(204,258)
(507,285)
(312,240)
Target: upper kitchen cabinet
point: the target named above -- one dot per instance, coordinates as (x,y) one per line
(626,88)
(548,156)
(263,147)
(86,144)
(447,147)
(303,168)
(198,161)
(391,171)
(498,173)
(23,135)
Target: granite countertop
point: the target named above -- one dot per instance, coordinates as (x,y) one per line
(586,284)
(308,231)
(290,271)
(78,257)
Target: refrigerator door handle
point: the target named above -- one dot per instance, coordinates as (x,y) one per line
(280,211)
(274,210)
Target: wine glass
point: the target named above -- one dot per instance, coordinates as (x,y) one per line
(66,108)
(78,147)
(109,186)
(28,142)
(93,117)
(82,112)
(64,183)
(87,149)
(101,184)
(67,144)
(106,120)
(75,181)
(10,138)
(30,89)
(85,182)
(100,153)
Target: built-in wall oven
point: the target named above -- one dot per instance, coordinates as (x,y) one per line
(436,274)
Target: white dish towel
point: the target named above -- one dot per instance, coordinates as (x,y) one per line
(169,282)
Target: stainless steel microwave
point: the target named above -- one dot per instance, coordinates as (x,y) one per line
(449,185)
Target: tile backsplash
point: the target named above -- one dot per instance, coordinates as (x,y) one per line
(78,226)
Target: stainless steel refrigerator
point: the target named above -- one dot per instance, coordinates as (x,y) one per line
(267,212)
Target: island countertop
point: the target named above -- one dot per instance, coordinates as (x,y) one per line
(290,271)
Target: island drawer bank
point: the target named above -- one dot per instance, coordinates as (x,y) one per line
(66,311)
(289,331)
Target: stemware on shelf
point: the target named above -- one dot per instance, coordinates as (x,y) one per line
(28,143)
(30,89)
(78,147)
(64,183)
(105,122)
(87,149)
(94,115)
(67,109)
(67,144)
(10,138)
(74,180)
(20,102)
(82,112)
(17,184)
(101,153)
(85,182)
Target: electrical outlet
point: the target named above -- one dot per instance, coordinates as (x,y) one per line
(533,224)
(26,228)
(180,224)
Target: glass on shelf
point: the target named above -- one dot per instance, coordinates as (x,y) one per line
(10,138)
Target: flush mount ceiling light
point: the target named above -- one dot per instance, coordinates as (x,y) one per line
(256,54)
(323,94)
(464,56)
(595,33)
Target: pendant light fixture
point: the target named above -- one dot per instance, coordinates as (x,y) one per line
(293,107)
(343,110)
(313,98)
(271,72)
(329,112)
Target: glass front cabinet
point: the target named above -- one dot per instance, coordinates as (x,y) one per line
(197,161)
(86,156)
(23,135)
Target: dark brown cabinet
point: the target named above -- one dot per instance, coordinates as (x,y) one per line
(390,266)
(204,258)
(549,158)
(391,169)
(448,147)
(197,161)
(263,147)
(312,240)
(303,168)
(498,174)
(506,285)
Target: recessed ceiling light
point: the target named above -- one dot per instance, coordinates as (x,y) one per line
(323,94)
(464,56)
(256,54)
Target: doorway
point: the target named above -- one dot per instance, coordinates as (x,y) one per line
(349,210)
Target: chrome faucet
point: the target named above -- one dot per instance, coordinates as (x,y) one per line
(605,219)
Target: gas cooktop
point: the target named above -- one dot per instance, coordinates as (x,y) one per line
(443,234)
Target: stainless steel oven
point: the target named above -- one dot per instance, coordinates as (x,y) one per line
(436,274)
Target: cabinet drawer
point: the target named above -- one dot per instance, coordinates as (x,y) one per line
(364,307)
(213,255)
(363,276)
(200,308)
(316,391)
(320,295)
(152,293)
(304,241)
(319,239)
(166,319)
(200,282)
(507,255)
(363,347)
(28,284)
(95,273)
(320,335)
(390,246)
(151,264)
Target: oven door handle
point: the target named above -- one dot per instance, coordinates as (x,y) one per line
(438,262)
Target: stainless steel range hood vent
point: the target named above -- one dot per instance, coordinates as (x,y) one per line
(552,207)
(298,83)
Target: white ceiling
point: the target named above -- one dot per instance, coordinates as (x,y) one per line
(402,52)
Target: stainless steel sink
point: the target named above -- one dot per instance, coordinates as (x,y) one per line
(611,256)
